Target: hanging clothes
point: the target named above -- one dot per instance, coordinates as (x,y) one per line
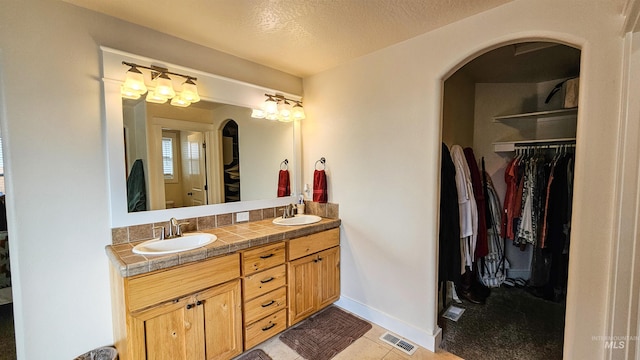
(481,249)
(467,207)
(493,267)
(540,215)
(510,179)
(449,234)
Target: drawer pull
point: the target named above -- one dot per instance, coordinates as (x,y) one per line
(267,280)
(268,304)
(268,327)
(266,256)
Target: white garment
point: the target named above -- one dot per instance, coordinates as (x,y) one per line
(467,206)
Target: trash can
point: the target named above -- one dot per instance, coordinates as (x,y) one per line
(101,353)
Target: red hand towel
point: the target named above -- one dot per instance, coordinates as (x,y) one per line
(319,186)
(283,183)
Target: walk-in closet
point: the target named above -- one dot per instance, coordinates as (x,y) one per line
(508,143)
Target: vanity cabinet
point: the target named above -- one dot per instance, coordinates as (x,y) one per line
(314,273)
(215,309)
(264,293)
(188,312)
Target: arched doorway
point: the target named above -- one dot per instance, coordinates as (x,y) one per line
(231,161)
(515,104)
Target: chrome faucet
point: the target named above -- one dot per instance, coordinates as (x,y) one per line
(175,229)
(289,211)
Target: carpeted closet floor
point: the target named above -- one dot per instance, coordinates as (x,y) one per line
(513,324)
(7,335)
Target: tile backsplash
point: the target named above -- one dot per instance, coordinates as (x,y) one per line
(146,231)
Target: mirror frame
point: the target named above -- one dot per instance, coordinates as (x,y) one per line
(212,88)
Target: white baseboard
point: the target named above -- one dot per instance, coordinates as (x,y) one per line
(419,336)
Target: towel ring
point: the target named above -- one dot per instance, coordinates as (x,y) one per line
(322,161)
(285,162)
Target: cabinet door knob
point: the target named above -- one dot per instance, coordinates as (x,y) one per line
(189,306)
(267,280)
(266,256)
(268,304)
(200,302)
(268,327)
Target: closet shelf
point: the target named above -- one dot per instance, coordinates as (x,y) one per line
(536,114)
(506,146)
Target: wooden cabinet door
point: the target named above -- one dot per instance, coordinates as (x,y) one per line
(222,312)
(328,277)
(303,275)
(206,325)
(168,331)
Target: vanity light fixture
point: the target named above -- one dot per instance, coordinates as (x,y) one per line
(297,111)
(134,82)
(134,86)
(278,107)
(164,86)
(284,111)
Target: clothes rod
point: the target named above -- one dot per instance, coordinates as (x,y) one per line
(544,146)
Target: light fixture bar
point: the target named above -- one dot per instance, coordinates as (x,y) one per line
(282,98)
(157,70)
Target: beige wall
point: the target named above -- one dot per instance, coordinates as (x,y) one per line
(377,121)
(52,127)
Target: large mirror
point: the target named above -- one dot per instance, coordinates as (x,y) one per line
(206,153)
(259,148)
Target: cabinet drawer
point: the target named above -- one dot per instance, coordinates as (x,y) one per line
(265,304)
(265,281)
(310,244)
(262,258)
(260,331)
(157,287)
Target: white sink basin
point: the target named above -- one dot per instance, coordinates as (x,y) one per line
(302,219)
(168,246)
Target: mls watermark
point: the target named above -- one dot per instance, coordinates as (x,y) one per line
(615,342)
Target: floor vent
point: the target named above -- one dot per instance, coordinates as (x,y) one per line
(403,345)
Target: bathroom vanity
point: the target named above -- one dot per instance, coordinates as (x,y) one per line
(215,302)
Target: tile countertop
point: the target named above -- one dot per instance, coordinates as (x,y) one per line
(231,238)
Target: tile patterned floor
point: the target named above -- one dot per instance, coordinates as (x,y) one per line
(368,347)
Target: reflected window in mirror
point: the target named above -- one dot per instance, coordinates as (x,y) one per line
(169,156)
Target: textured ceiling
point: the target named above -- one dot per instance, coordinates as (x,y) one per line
(301,37)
